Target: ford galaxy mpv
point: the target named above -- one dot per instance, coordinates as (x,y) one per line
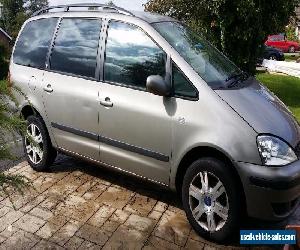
(143,94)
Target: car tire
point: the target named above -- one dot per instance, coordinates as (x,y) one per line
(39,159)
(272,57)
(219,205)
(292,49)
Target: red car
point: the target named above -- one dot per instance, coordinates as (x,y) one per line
(280,42)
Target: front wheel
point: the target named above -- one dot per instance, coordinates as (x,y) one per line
(292,49)
(37,145)
(211,199)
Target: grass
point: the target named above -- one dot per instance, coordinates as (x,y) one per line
(291,57)
(287,88)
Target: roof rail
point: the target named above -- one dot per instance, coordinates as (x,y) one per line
(82,5)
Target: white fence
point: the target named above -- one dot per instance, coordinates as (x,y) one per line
(289,68)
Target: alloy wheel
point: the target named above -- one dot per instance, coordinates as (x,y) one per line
(34,144)
(208,201)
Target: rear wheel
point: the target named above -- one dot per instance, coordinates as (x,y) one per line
(37,145)
(211,199)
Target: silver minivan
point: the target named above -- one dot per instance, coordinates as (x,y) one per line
(143,94)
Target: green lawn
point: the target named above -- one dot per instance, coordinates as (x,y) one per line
(287,88)
(291,57)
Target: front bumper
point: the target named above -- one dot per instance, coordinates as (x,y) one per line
(272,193)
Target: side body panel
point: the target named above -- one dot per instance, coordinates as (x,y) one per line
(73,113)
(136,133)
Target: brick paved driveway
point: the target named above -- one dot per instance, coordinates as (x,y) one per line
(80,206)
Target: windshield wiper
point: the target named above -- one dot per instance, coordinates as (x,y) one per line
(236,78)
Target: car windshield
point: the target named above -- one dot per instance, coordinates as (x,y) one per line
(212,66)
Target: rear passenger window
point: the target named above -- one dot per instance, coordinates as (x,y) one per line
(131,56)
(76,46)
(32,46)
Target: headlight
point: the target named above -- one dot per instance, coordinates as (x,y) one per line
(275,152)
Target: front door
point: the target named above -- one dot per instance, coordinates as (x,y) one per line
(135,125)
(70,87)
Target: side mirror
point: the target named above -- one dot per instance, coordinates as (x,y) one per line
(158,86)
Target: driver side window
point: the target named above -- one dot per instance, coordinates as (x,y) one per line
(131,56)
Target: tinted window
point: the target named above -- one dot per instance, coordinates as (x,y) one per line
(182,86)
(32,46)
(76,47)
(131,56)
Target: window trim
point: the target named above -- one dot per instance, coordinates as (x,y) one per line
(102,79)
(48,69)
(49,46)
(189,98)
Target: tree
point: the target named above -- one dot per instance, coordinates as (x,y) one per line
(13,16)
(35,5)
(237,27)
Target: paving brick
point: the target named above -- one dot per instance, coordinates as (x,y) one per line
(157,243)
(87,245)
(42,183)
(74,243)
(140,204)
(66,232)
(193,244)
(2,239)
(139,223)
(110,226)
(4,211)
(155,215)
(85,187)
(41,213)
(101,216)
(160,206)
(21,240)
(173,227)
(95,191)
(93,234)
(35,202)
(47,245)
(126,238)
(51,201)
(9,231)
(115,197)
(9,219)
(47,230)
(120,216)
(29,223)
(77,208)
(59,219)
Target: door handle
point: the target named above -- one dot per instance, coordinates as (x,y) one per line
(48,88)
(107,103)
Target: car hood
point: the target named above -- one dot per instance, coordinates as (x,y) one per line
(262,110)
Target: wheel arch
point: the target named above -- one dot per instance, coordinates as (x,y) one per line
(27,110)
(206,151)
